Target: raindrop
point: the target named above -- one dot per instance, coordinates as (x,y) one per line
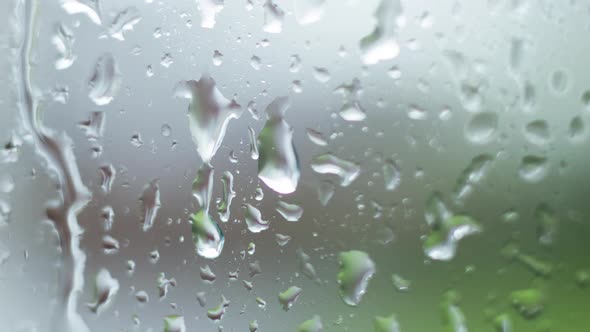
(322,75)
(533,168)
(63,40)
(166,130)
(124,21)
(482,127)
(174,323)
(94,127)
(312,325)
(203,186)
(386,324)
(528,302)
(288,297)
(207,235)
(356,270)
(167,60)
(217,58)
(273,17)
(441,244)
(309,11)
(537,132)
(278,164)
(107,174)
(218,312)
(105,81)
(326,190)
(400,284)
(346,171)
(316,137)
(381,44)
(253,144)
(474,173)
(90,8)
(254,220)
(207,274)
(391,174)
(150,199)
(110,245)
(559,81)
(209,10)
(228,195)
(282,239)
(255,62)
(291,212)
(105,289)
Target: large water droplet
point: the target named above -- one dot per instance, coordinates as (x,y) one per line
(278,163)
(218,312)
(481,127)
(291,212)
(356,269)
(228,195)
(533,168)
(150,200)
(63,41)
(441,244)
(209,114)
(207,235)
(254,219)
(288,297)
(105,289)
(381,44)
(347,171)
(105,81)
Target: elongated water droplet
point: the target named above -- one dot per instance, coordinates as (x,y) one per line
(316,137)
(90,8)
(150,200)
(107,174)
(453,317)
(253,144)
(381,44)
(209,10)
(471,176)
(203,186)
(63,40)
(577,129)
(322,75)
(305,264)
(288,297)
(207,235)
(107,214)
(356,269)
(207,274)
(295,64)
(105,289)
(228,195)
(209,114)
(278,163)
(123,22)
(441,244)
(273,17)
(391,174)
(291,212)
(312,325)
(105,81)
(254,219)
(282,239)
(400,284)
(347,171)
(326,190)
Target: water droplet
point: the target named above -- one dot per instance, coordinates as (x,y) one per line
(326,190)
(255,62)
(94,127)
(346,171)
(316,137)
(174,323)
(441,244)
(322,75)
(207,274)
(202,299)
(150,199)
(209,114)
(218,312)
(107,215)
(110,245)
(312,325)
(309,11)
(63,40)
(453,317)
(386,324)
(559,81)
(381,44)
(167,60)
(209,10)
(259,195)
(90,8)
(471,176)
(295,65)
(217,58)
(503,323)
(528,302)
(291,212)
(203,186)
(166,130)
(547,224)
(253,326)
(107,173)
(142,297)
(353,112)
(537,132)
(288,297)
(400,284)
(228,195)
(577,129)
(305,264)
(533,168)
(254,220)
(163,284)
(273,17)
(105,289)
(415,112)
(278,164)
(105,81)
(482,127)
(136,140)
(253,144)
(207,235)
(124,21)
(282,239)
(356,270)
(391,174)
